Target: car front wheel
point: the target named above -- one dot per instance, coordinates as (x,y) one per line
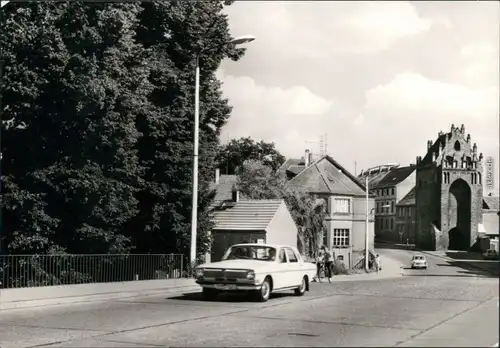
(301,290)
(265,291)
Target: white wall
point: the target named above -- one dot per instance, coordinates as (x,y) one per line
(282,228)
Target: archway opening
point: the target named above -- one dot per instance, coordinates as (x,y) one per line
(457,146)
(459,215)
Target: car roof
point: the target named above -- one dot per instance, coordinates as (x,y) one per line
(276,246)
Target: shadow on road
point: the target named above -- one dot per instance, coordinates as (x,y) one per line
(231,297)
(464,255)
(468,275)
(470,262)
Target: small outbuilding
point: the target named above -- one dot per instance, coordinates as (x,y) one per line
(251,221)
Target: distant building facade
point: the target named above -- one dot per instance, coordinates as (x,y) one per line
(449,192)
(345,197)
(406,218)
(390,184)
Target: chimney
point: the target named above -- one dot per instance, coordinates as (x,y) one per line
(307,159)
(310,157)
(462,129)
(236,195)
(217,176)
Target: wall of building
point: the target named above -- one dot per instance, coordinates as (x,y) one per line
(282,228)
(428,206)
(405,186)
(223,239)
(491,222)
(359,222)
(405,223)
(355,222)
(386,216)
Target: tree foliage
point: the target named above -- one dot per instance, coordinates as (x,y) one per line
(258,181)
(97,131)
(232,155)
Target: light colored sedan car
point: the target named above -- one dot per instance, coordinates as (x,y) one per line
(418,261)
(258,268)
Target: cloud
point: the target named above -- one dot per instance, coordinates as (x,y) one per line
(325,28)
(480,63)
(411,109)
(272,113)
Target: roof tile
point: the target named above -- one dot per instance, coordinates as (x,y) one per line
(395,176)
(254,215)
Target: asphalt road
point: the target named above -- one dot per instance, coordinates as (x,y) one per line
(441,306)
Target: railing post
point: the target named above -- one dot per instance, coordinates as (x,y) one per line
(182,266)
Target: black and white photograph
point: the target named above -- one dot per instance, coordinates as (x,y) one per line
(243,173)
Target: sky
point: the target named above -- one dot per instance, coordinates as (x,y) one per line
(379,78)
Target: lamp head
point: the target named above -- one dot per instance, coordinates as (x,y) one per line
(242,40)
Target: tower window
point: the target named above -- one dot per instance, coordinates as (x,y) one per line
(457,146)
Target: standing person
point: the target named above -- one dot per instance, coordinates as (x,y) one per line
(377,263)
(319,263)
(327,256)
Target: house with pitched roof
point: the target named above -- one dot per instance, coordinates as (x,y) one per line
(345,198)
(390,184)
(238,220)
(252,221)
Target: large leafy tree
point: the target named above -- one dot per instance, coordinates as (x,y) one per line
(258,181)
(72,87)
(174,33)
(98,104)
(232,155)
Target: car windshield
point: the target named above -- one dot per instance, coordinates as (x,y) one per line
(418,258)
(250,252)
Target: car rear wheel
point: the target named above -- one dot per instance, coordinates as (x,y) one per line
(265,291)
(210,294)
(301,290)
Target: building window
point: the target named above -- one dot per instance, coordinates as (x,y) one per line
(392,191)
(340,237)
(325,238)
(409,211)
(392,207)
(342,206)
(391,221)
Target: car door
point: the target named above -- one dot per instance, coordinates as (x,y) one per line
(294,274)
(280,270)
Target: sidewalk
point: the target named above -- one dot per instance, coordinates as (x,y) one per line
(391,268)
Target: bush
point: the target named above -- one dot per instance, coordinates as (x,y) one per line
(338,267)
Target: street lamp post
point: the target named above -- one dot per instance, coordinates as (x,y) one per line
(367,231)
(194,209)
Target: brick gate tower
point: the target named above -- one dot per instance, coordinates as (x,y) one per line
(449,192)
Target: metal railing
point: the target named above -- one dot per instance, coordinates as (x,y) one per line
(20,271)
